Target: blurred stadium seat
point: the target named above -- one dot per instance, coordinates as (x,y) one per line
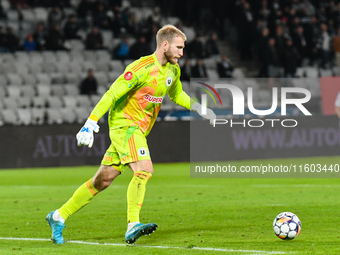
(57,90)
(9,116)
(68,114)
(326,72)
(38,102)
(70,101)
(72,78)
(23,57)
(95,99)
(10,103)
(43,90)
(311,72)
(83,101)
(14,79)
(116,66)
(2,91)
(13,91)
(82,114)
(58,78)
(38,116)
(54,102)
(29,79)
(24,102)
(24,117)
(3,80)
(71,89)
(54,116)
(43,78)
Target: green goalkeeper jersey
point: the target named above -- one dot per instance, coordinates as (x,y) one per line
(136,96)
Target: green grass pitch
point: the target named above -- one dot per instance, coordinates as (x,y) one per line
(233,215)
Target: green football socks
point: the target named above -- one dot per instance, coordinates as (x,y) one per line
(136,193)
(81,197)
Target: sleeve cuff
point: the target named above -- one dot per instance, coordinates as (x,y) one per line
(93,117)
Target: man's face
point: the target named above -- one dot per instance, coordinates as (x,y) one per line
(174,51)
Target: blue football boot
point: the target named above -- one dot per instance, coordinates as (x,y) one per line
(57,229)
(139,230)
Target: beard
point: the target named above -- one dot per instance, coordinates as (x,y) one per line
(170,57)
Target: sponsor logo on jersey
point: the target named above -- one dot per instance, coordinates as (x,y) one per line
(149,65)
(135,81)
(168,81)
(128,76)
(142,152)
(152,99)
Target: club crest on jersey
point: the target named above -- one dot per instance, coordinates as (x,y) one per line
(168,81)
(142,152)
(128,76)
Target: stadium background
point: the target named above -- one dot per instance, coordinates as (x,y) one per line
(41,109)
(47,48)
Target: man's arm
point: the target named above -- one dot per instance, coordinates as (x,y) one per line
(102,106)
(178,96)
(118,89)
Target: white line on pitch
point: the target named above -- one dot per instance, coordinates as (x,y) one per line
(146,246)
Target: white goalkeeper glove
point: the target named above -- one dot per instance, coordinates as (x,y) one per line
(211,116)
(85,135)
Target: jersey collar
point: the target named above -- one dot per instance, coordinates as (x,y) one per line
(162,68)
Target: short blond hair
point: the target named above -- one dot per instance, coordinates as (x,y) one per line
(168,33)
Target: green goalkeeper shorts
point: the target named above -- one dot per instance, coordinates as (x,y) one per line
(128,144)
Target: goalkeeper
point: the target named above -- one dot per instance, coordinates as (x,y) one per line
(134,100)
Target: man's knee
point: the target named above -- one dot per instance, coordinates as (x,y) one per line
(142,165)
(104,177)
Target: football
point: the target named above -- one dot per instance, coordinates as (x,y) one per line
(287,226)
